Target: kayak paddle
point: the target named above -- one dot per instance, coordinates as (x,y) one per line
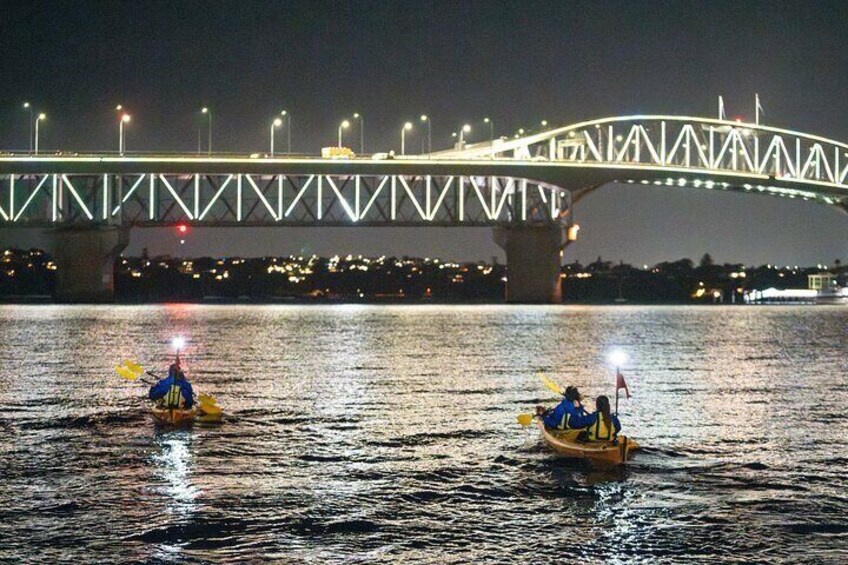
(128,371)
(132,371)
(526,419)
(208,404)
(551,384)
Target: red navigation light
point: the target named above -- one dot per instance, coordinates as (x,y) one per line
(182,228)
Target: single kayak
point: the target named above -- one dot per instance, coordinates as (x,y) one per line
(182,417)
(173,416)
(565,443)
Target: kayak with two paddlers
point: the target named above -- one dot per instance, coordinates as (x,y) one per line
(566,443)
(573,432)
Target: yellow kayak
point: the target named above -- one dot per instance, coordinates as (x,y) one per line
(565,443)
(173,416)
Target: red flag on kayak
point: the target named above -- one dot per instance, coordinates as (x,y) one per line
(619,383)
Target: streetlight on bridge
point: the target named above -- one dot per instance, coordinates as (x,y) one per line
(208,112)
(406,127)
(426,118)
(491,133)
(491,129)
(287,117)
(342,126)
(358,116)
(274,125)
(465,129)
(125,119)
(28,106)
(40,118)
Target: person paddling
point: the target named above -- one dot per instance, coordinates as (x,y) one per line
(569,414)
(606,425)
(174,391)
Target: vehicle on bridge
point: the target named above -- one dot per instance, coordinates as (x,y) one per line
(337,153)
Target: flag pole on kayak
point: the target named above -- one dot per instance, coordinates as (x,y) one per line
(618,357)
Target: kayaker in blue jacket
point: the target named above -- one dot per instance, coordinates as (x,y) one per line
(174,391)
(569,414)
(606,425)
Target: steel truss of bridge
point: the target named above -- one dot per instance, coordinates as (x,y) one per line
(688,151)
(150,199)
(530,180)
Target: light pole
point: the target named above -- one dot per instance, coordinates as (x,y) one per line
(491,132)
(125,119)
(274,125)
(342,126)
(286,116)
(406,127)
(465,129)
(426,118)
(544,123)
(28,106)
(491,129)
(37,120)
(207,111)
(358,116)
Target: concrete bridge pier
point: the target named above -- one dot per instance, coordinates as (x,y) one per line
(533,260)
(85,258)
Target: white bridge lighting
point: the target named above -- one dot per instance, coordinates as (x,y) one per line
(499,182)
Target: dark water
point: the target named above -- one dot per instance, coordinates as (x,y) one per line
(361,434)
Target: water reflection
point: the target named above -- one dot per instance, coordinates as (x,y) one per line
(388,434)
(173,464)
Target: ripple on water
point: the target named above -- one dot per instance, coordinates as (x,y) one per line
(366,434)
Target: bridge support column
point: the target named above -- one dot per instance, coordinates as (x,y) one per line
(85,258)
(533,259)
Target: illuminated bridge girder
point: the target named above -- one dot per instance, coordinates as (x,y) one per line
(688,151)
(151,199)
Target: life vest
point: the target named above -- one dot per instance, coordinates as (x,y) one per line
(563,423)
(174,397)
(599,431)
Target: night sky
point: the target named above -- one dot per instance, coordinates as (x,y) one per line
(517,63)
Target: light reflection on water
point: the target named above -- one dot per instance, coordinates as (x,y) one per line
(369,433)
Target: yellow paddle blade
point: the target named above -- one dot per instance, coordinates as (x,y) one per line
(551,384)
(206,399)
(134,367)
(526,419)
(210,409)
(126,373)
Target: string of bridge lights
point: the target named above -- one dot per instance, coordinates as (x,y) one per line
(283,119)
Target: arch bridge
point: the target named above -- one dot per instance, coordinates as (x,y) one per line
(524,188)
